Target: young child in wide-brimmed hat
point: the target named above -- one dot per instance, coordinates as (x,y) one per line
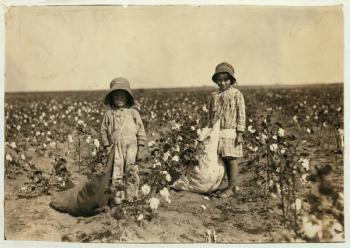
(122,129)
(227,105)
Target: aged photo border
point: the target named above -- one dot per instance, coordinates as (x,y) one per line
(346,13)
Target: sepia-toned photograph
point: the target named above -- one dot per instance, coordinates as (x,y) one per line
(174,124)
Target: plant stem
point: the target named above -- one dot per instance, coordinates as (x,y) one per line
(295,210)
(282,195)
(79,151)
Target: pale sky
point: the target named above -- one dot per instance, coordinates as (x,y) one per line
(85,47)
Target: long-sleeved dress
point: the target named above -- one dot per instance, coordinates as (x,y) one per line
(229,107)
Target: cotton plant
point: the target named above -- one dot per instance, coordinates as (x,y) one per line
(150,198)
(276,162)
(322,220)
(177,149)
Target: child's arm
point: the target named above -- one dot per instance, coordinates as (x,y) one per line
(103,131)
(141,134)
(141,138)
(241,118)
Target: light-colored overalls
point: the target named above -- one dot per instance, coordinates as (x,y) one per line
(124,136)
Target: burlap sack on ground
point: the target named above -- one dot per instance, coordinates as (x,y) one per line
(85,198)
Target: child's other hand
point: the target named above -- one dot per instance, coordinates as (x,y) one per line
(141,154)
(203,133)
(108,149)
(239,138)
(200,145)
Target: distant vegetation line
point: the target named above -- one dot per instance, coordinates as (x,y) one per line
(279,86)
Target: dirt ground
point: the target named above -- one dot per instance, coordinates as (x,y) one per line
(184,220)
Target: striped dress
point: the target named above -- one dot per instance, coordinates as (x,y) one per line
(228,106)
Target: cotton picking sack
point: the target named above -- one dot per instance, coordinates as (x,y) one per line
(208,174)
(87,197)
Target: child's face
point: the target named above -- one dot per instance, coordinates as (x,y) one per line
(223,80)
(120,98)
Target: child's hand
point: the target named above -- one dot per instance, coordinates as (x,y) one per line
(141,154)
(239,138)
(200,145)
(108,149)
(203,133)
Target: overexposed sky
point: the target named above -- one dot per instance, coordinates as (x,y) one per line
(85,47)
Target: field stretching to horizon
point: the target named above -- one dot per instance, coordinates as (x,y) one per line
(290,179)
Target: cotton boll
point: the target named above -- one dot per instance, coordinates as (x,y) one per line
(140,217)
(280,132)
(97,143)
(154,203)
(164,192)
(151,144)
(8,157)
(168,178)
(273,147)
(310,229)
(176,148)
(305,163)
(175,158)
(145,189)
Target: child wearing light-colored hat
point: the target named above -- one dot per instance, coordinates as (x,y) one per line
(122,129)
(227,105)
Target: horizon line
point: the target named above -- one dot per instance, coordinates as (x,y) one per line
(182,87)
